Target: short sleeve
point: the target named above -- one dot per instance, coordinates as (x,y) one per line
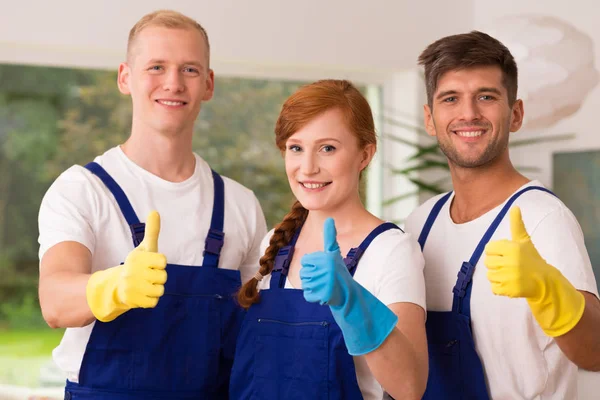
(392,269)
(66,212)
(559,240)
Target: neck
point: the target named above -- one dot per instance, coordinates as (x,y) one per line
(349,217)
(479,190)
(169,157)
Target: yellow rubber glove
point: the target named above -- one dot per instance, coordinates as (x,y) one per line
(138,283)
(516,269)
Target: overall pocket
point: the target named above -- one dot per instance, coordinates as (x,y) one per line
(444,370)
(291,360)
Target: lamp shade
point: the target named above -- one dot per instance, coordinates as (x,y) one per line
(556,66)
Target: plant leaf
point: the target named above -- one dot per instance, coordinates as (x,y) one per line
(395,199)
(434,148)
(428,187)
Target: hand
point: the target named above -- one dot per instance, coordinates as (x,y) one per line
(516,269)
(143,274)
(364,320)
(324,274)
(138,283)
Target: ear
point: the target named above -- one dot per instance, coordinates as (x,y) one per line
(428,120)
(517,115)
(123,78)
(210,85)
(367,155)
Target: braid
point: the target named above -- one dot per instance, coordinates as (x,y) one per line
(282,235)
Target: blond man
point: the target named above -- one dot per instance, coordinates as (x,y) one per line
(142,249)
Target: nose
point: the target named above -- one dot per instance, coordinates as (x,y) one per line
(470,110)
(310,164)
(174,81)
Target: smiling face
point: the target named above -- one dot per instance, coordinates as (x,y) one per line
(471,116)
(168,78)
(323,162)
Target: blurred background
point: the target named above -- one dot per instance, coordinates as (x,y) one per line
(59,106)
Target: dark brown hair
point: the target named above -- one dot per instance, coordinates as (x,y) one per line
(465,51)
(304,105)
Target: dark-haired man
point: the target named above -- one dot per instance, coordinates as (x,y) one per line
(524,311)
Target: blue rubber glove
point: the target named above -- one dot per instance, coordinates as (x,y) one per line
(364,320)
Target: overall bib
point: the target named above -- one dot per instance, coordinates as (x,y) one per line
(455,370)
(289,348)
(181,349)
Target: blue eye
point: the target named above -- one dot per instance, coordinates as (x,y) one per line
(294,148)
(190,69)
(155,68)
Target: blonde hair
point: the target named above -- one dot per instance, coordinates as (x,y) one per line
(167,19)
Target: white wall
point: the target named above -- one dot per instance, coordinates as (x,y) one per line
(364,40)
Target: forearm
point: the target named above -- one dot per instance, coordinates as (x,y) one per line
(398,367)
(582,343)
(63,299)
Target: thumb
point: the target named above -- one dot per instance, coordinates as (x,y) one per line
(330,236)
(150,242)
(517,227)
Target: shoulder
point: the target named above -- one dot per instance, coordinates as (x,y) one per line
(415,221)
(540,208)
(394,245)
(392,269)
(72,184)
(391,248)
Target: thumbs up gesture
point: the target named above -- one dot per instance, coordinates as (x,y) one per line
(324,274)
(516,269)
(143,275)
(137,283)
(364,320)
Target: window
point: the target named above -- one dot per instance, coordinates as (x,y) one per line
(52,118)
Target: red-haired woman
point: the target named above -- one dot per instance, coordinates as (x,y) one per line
(320,326)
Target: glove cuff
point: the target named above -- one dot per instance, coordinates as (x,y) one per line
(560,307)
(101,295)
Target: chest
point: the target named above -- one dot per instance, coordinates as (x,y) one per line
(182,234)
(446,248)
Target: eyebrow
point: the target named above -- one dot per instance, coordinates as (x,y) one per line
(480,90)
(329,139)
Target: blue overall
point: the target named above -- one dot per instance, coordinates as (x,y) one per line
(455,370)
(289,348)
(181,349)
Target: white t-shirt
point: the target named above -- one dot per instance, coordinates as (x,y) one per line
(391,269)
(519,360)
(79,207)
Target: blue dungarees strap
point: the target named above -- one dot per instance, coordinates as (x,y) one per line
(215,238)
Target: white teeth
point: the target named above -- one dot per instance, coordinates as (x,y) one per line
(469,133)
(171,103)
(313,185)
